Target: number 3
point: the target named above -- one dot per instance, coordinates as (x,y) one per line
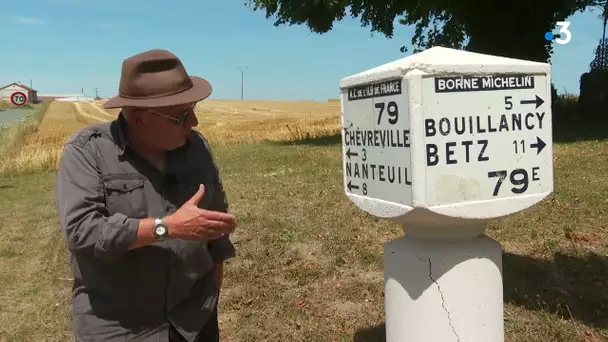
(564,31)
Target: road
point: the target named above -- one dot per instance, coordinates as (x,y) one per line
(8,116)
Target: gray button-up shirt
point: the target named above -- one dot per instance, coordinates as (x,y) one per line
(103,189)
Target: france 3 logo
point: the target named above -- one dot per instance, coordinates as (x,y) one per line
(563,36)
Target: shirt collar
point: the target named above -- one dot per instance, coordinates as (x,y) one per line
(120,133)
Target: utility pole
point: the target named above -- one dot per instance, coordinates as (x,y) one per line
(96,93)
(242,69)
(605,15)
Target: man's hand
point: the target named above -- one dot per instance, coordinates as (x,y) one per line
(190,222)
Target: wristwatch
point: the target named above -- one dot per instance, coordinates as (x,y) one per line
(160,229)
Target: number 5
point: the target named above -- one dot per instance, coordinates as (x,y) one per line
(508,102)
(563,30)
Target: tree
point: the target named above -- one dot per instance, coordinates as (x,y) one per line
(600,62)
(510,28)
(593,99)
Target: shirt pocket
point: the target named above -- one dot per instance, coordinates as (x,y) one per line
(125,194)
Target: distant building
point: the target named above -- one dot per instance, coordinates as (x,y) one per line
(56,96)
(77,98)
(8,90)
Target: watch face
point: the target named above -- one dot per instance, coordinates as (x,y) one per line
(161,230)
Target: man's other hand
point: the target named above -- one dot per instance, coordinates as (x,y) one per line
(190,222)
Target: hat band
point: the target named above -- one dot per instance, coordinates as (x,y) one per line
(168,93)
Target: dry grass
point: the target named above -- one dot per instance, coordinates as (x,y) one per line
(309,264)
(4,104)
(13,141)
(227,122)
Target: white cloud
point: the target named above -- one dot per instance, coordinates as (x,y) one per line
(29,20)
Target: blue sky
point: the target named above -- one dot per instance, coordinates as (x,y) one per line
(73,44)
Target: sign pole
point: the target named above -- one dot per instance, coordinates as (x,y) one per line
(441,142)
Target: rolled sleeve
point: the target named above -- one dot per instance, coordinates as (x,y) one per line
(86,223)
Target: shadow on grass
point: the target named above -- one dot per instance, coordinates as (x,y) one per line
(571,123)
(372,334)
(567,286)
(579,130)
(326,140)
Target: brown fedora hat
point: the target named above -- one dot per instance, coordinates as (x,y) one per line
(157,78)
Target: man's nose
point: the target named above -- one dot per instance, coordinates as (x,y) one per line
(192,121)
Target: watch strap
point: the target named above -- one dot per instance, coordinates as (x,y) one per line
(160,222)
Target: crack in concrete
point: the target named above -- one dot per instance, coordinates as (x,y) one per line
(442,300)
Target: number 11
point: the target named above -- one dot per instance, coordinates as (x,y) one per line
(523,146)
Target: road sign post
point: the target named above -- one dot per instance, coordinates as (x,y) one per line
(18,98)
(441,142)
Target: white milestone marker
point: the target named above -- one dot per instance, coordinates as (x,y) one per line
(460,134)
(485,138)
(440,142)
(377,142)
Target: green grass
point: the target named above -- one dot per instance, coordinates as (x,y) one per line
(309,263)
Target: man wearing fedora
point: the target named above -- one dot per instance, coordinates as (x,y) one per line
(144,212)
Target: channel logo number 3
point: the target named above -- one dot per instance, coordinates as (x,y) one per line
(564,36)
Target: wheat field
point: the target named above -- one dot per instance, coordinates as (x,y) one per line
(221,121)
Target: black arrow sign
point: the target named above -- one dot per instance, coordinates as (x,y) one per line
(539,145)
(349,153)
(350,186)
(537,100)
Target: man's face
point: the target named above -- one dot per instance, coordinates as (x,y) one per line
(165,128)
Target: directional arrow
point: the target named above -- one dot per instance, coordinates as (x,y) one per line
(351,187)
(539,145)
(349,153)
(537,100)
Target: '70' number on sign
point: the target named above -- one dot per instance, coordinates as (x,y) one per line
(518,177)
(391,109)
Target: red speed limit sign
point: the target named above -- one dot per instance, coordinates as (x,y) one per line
(18,98)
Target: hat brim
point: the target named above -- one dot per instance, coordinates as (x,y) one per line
(200,90)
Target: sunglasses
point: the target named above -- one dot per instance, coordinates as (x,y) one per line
(177,120)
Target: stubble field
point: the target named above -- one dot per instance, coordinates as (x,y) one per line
(309,264)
